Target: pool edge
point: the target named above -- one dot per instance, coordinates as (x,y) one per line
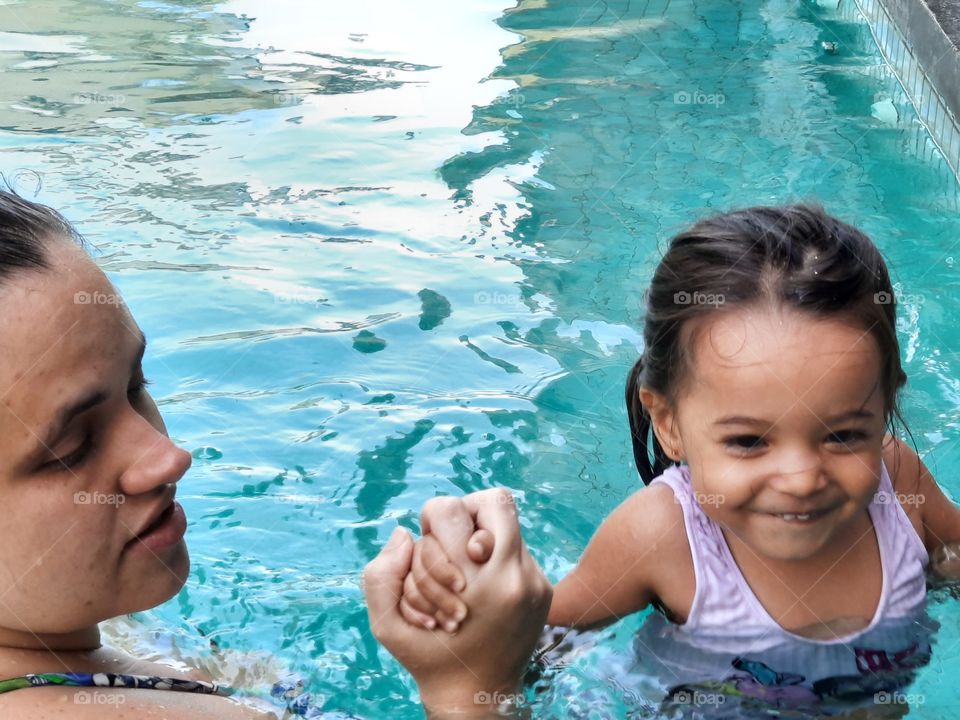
(921,44)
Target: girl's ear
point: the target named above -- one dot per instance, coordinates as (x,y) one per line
(664,422)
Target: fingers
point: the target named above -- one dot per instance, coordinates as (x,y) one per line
(417,610)
(421,608)
(432,574)
(480,547)
(427,602)
(447,519)
(494,510)
(383,580)
(415,617)
(429,557)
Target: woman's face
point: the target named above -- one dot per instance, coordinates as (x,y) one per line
(77,494)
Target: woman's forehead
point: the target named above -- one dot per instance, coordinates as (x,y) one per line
(61,327)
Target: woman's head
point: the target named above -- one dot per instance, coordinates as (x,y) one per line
(77,487)
(784,315)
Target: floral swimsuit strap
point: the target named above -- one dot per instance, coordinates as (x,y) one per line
(112,680)
(298,702)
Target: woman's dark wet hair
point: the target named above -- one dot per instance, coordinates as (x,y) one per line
(26,229)
(795,257)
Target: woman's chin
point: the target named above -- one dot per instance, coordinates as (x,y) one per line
(166,578)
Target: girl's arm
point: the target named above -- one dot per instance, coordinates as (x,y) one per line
(915,486)
(620,572)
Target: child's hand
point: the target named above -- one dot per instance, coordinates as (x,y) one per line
(431,587)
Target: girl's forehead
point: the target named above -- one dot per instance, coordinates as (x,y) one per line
(783,353)
(756,336)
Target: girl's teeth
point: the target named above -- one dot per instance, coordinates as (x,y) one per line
(791,516)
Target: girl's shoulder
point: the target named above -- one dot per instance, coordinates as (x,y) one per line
(632,559)
(933,515)
(653,523)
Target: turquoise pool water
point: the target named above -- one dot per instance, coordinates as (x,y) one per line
(388,251)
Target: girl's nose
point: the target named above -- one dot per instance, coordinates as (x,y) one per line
(153,459)
(799,474)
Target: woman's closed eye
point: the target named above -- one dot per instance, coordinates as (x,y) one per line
(75,459)
(136,390)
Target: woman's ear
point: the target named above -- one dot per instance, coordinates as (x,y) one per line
(664,422)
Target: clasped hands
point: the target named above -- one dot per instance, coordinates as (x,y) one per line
(463,607)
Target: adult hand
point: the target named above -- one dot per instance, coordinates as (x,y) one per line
(509,597)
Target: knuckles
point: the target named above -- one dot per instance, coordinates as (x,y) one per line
(448,508)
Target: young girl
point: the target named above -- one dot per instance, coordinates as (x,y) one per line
(776,508)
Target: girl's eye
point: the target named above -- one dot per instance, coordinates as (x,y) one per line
(846,437)
(74,459)
(744,442)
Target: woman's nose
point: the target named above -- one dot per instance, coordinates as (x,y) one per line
(153,460)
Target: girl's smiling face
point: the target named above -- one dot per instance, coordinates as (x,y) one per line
(76,494)
(780,418)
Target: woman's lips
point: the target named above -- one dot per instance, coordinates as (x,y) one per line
(168,529)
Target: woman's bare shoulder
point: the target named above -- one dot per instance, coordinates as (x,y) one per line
(78,703)
(81,703)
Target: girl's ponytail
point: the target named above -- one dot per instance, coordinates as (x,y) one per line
(640,428)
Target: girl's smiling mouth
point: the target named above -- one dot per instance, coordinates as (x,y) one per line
(804,518)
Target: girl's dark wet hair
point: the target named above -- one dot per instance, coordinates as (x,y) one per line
(26,229)
(794,256)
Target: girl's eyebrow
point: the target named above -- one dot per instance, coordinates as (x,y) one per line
(65,415)
(857,414)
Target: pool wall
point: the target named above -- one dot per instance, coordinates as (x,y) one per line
(920,39)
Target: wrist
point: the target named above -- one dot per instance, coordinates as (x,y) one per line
(473,700)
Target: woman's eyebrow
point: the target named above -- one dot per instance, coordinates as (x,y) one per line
(65,415)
